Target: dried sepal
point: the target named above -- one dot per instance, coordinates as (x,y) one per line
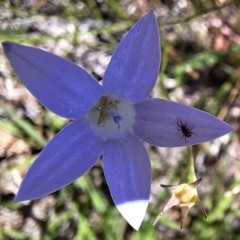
(169,204)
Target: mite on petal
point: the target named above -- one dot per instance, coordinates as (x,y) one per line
(109,119)
(186,131)
(185,195)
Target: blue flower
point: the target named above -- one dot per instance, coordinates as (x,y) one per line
(108,120)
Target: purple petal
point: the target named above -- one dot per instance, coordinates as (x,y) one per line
(60,85)
(128,173)
(71,153)
(133,69)
(158,121)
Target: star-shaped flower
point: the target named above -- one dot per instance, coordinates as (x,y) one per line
(185,195)
(108,120)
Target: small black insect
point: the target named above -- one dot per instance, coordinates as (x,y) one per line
(187,132)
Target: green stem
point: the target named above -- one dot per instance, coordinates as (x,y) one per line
(190,170)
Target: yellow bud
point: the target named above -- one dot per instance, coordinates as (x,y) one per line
(185,195)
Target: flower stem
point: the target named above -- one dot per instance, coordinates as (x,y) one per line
(190,169)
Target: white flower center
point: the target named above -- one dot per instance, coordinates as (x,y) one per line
(111,117)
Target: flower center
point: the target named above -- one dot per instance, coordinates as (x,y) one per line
(111,117)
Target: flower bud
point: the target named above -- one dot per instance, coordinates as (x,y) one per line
(185,195)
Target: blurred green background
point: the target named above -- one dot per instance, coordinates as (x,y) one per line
(200,67)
